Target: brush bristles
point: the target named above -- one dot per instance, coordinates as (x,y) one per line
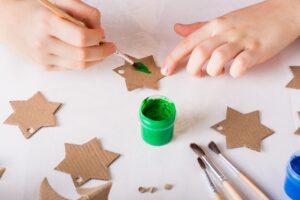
(197,149)
(212,145)
(201,163)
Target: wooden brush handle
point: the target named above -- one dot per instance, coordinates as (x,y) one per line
(233,193)
(254,187)
(218,196)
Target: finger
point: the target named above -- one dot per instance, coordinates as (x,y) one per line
(83,12)
(202,53)
(184,48)
(186,29)
(242,62)
(73,34)
(71,64)
(221,56)
(86,54)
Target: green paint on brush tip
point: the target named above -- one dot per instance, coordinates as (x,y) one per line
(158,109)
(141,67)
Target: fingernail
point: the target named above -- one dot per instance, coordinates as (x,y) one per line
(164,70)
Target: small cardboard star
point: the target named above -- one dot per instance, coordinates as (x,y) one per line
(243,129)
(136,79)
(2,170)
(48,193)
(33,114)
(295,82)
(95,193)
(87,161)
(298,130)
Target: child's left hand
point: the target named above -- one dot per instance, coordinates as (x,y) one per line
(247,37)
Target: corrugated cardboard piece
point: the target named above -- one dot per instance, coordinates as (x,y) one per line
(136,79)
(298,130)
(47,192)
(243,129)
(2,170)
(295,82)
(33,114)
(96,193)
(87,161)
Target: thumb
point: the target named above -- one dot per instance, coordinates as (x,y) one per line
(186,29)
(82,11)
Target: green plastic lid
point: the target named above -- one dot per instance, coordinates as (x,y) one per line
(157,116)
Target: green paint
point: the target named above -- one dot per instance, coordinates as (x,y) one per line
(157,116)
(158,109)
(139,66)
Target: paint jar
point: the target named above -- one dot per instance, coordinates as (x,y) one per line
(292,180)
(157,116)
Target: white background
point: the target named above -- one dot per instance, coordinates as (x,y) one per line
(97,104)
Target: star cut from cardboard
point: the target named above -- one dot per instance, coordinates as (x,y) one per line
(95,193)
(33,114)
(298,130)
(295,82)
(87,161)
(243,130)
(2,170)
(135,79)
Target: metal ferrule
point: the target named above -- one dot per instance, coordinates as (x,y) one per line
(214,169)
(229,164)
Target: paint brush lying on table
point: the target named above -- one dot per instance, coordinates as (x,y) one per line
(62,14)
(233,193)
(212,185)
(250,183)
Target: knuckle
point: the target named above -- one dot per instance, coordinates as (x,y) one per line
(220,54)
(201,51)
(40,44)
(218,22)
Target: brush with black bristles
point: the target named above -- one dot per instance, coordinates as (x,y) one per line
(211,183)
(233,193)
(249,182)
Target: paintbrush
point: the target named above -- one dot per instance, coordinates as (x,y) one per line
(233,193)
(62,14)
(250,183)
(212,185)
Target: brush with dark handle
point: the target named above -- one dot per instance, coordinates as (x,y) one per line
(230,189)
(247,180)
(212,185)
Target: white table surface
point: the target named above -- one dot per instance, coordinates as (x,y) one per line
(97,104)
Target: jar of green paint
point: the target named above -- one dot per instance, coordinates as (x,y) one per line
(157,116)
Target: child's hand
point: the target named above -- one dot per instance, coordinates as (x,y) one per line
(247,37)
(50,41)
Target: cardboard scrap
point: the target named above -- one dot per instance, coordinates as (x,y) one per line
(243,129)
(295,82)
(87,161)
(96,193)
(48,193)
(168,186)
(2,170)
(136,79)
(33,114)
(298,130)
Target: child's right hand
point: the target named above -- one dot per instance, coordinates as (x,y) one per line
(50,41)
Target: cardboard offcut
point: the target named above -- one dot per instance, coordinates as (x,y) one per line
(2,170)
(33,114)
(243,129)
(136,79)
(298,130)
(95,193)
(87,161)
(295,82)
(48,193)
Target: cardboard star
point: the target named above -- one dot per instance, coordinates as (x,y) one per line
(33,114)
(2,170)
(87,161)
(295,82)
(136,79)
(48,193)
(96,193)
(298,130)
(243,129)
